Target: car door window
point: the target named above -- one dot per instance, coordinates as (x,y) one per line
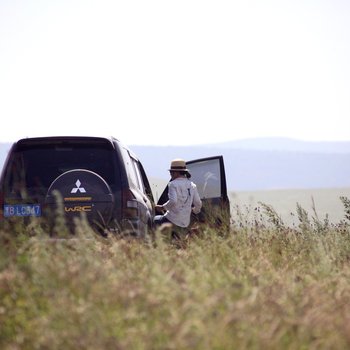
(206,175)
(137,175)
(145,182)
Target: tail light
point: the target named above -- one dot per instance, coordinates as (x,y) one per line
(130,205)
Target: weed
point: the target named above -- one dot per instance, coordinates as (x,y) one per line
(262,285)
(346,203)
(272,216)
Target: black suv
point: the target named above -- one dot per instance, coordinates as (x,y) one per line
(96,177)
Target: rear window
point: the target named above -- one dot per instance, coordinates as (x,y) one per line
(37,166)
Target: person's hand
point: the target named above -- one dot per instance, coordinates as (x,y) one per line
(160,209)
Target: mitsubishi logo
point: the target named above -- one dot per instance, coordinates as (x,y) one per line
(78,188)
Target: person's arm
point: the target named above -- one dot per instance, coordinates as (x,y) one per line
(172,195)
(197,203)
(172,198)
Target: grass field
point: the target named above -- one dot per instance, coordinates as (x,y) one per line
(320,202)
(263,285)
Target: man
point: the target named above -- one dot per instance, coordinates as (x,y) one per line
(183,198)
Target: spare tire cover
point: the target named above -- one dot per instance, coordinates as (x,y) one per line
(82,191)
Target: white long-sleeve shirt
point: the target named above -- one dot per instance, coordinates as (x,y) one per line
(183,199)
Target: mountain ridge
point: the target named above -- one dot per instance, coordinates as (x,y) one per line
(256,164)
(284,144)
(257,170)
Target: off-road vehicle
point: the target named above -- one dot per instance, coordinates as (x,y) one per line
(98,177)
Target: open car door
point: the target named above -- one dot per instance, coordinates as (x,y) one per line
(209,176)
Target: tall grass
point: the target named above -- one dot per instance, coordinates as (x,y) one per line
(263,285)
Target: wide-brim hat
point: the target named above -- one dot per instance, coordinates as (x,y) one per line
(179,165)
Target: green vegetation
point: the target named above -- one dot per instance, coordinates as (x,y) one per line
(263,285)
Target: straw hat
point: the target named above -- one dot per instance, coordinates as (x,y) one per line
(179,165)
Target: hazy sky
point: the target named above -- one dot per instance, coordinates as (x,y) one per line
(175,72)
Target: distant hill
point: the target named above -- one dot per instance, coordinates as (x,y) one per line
(257,164)
(286,144)
(251,170)
(4,148)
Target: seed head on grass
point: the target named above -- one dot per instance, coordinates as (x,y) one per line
(273,216)
(346,203)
